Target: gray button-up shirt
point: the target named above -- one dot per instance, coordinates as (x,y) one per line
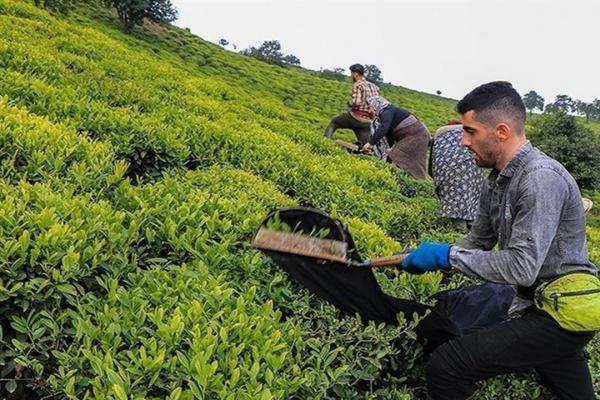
(532,210)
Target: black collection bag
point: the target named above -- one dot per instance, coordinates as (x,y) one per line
(354,290)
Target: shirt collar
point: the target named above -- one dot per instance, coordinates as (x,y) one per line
(512,165)
(516,160)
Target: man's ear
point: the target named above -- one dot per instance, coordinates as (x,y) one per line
(503,131)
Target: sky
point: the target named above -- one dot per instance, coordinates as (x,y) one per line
(552,47)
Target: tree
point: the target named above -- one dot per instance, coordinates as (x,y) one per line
(336,73)
(575,147)
(291,59)
(533,100)
(438,92)
(562,103)
(223,42)
(596,108)
(373,74)
(270,51)
(132,12)
(586,109)
(565,103)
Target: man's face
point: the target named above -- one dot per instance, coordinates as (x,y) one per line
(480,139)
(354,76)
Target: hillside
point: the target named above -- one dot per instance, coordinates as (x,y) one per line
(591,124)
(134,171)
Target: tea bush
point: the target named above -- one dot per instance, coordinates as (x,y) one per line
(134,171)
(210,227)
(34,150)
(54,246)
(180,333)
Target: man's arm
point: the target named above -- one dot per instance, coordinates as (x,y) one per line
(537,210)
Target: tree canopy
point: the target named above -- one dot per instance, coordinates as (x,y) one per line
(533,101)
(575,147)
(336,73)
(563,103)
(270,52)
(133,12)
(373,74)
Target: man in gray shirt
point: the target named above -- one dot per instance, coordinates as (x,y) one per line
(531,210)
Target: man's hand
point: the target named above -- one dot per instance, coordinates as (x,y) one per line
(428,257)
(367,148)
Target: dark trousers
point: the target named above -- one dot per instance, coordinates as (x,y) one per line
(533,341)
(361,129)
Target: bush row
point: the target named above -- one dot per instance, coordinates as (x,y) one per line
(35,150)
(95,334)
(201,128)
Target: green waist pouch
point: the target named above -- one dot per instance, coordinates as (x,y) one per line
(573,300)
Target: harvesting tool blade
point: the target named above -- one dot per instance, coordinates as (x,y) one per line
(304,245)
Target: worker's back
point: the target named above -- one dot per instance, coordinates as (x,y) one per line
(457,178)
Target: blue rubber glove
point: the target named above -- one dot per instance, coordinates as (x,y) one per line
(428,257)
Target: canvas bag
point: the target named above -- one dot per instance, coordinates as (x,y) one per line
(573,300)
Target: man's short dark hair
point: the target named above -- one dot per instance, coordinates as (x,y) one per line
(357,68)
(494,101)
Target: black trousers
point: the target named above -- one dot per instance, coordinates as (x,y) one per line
(533,341)
(361,129)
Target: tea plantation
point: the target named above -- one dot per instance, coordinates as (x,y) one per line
(134,171)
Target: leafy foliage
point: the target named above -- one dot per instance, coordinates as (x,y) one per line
(562,103)
(134,170)
(270,52)
(533,100)
(373,74)
(589,110)
(291,59)
(577,148)
(335,73)
(132,12)
(58,5)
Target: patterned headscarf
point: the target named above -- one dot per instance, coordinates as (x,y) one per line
(377,104)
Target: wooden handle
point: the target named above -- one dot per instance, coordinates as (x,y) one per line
(347,145)
(387,261)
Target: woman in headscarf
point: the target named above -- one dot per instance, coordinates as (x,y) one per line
(407,136)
